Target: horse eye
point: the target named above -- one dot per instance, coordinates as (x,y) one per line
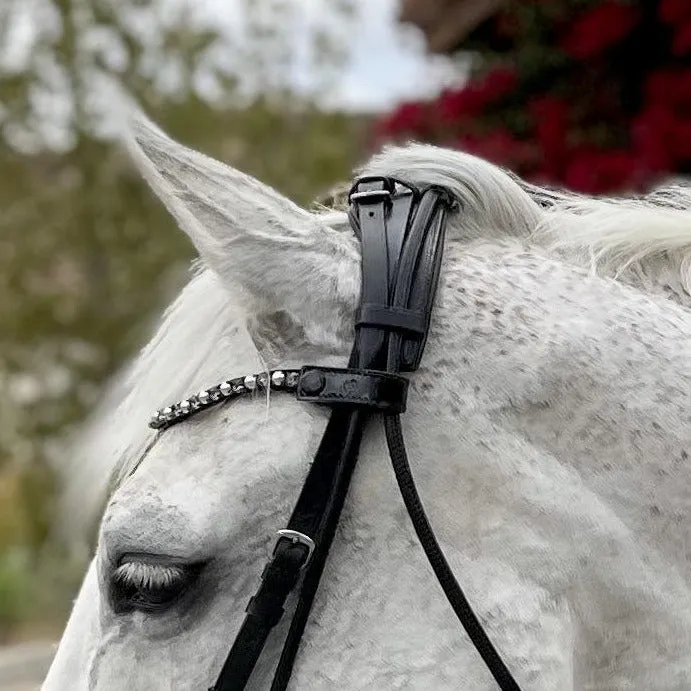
(149,585)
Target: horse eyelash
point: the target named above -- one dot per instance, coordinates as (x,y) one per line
(148,576)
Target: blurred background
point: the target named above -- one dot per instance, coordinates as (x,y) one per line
(590,95)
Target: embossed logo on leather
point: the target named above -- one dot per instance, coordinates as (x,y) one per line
(350,386)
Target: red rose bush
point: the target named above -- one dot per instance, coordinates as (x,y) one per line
(593,96)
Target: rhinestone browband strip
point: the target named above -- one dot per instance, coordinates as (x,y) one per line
(275,380)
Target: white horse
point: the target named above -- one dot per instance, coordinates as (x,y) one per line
(548,428)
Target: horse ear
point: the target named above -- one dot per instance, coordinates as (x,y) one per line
(250,235)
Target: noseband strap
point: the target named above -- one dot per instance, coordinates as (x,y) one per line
(401,230)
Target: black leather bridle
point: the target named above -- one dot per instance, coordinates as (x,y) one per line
(401,229)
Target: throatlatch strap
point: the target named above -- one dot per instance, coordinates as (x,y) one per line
(414,288)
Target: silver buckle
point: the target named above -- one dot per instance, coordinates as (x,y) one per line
(296,537)
(370,196)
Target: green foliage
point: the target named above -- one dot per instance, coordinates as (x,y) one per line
(15,591)
(35,591)
(88,256)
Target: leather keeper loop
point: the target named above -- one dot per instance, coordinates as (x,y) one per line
(385,393)
(393,318)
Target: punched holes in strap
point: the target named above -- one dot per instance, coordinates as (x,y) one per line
(380,391)
(393,318)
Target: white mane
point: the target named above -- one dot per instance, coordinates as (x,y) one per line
(643,241)
(646,242)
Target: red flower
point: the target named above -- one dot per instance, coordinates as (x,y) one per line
(649,138)
(667,88)
(550,114)
(661,138)
(672,11)
(408,118)
(499,82)
(679,139)
(454,105)
(681,43)
(472,100)
(599,28)
(597,172)
(500,147)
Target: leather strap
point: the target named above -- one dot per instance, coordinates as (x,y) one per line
(331,470)
(264,611)
(330,386)
(397,318)
(318,508)
(374,201)
(402,237)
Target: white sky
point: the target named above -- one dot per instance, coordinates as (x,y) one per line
(386,61)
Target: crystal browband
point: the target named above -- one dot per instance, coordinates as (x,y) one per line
(275,380)
(377,391)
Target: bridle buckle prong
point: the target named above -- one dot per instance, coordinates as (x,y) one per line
(370,196)
(373,195)
(296,537)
